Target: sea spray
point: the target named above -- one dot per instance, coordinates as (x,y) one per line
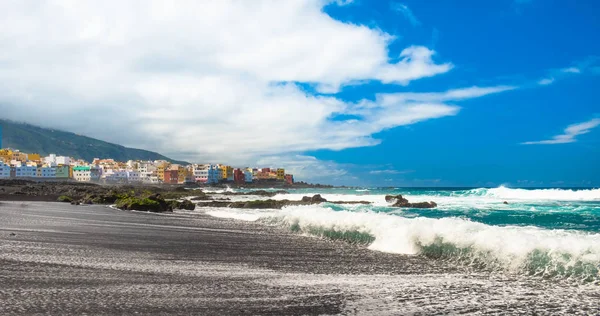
(524,250)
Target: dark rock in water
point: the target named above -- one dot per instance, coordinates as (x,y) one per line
(395,199)
(417,205)
(505,202)
(12,234)
(317,198)
(400,201)
(75,203)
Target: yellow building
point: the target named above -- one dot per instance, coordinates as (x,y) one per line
(227,172)
(160,170)
(280,174)
(6,155)
(181,173)
(34,157)
(19,156)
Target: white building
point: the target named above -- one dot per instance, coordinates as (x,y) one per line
(53,160)
(207,173)
(4,170)
(82,173)
(146,170)
(48,172)
(151,179)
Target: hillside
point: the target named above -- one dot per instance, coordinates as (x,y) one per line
(30,138)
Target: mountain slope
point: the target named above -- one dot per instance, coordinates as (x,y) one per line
(33,139)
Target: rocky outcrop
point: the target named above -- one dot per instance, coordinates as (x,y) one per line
(275,204)
(315,199)
(153,203)
(183,205)
(400,201)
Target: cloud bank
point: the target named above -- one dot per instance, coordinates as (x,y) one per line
(209,80)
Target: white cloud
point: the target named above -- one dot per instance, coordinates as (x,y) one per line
(573,70)
(390,171)
(407,12)
(546,81)
(208,80)
(569,133)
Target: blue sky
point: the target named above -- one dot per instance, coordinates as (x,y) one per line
(375,93)
(489,42)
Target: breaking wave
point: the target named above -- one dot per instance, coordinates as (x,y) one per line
(523,250)
(543,194)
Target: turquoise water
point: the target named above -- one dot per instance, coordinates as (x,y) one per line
(551,232)
(570,209)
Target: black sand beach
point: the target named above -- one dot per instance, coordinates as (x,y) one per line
(70,260)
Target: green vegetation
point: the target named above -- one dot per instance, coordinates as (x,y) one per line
(183,205)
(147,204)
(64,198)
(34,139)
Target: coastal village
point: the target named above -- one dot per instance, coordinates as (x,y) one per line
(17,164)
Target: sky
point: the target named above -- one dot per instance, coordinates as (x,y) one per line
(346,92)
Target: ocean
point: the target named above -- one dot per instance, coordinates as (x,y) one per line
(546,233)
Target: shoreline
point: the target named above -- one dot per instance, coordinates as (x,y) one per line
(65,259)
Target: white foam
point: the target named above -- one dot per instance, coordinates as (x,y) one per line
(544,194)
(244,215)
(509,245)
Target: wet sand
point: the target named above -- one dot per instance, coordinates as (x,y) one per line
(61,259)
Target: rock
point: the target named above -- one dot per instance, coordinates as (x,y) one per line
(504,202)
(12,234)
(75,203)
(153,203)
(183,205)
(402,202)
(395,198)
(315,199)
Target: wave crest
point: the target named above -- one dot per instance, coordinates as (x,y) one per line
(522,250)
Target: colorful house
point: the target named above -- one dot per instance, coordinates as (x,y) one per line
(95,173)
(82,173)
(4,170)
(34,157)
(248,175)
(289,179)
(239,176)
(47,172)
(63,172)
(6,155)
(280,174)
(170,176)
(227,173)
(24,171)
(160,170)
(181,174)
